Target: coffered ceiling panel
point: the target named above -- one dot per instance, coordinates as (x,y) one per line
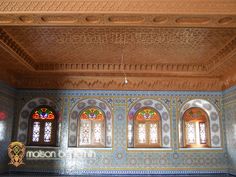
(105,44)
(89,44)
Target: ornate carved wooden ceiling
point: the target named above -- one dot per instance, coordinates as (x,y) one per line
(167,45)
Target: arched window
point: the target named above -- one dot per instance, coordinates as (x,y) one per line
(92,128)
(42,127)
(147,128)
(196,128)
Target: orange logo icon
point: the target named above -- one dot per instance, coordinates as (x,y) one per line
(16,152)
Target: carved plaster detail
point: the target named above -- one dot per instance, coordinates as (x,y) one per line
(119,68)
(12,47)
(117,83)
(224,55)
(113,19)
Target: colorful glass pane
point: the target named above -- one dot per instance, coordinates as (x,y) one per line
(85,132)
(92,114)
(142,133)
(43,113)
(97,132)
(202,132)
(195,113)
(191,136)
(47,132)
(36,131)
(147,114)
(153,133)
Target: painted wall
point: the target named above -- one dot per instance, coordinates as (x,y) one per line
(119,159)
(230,126)
(7,100)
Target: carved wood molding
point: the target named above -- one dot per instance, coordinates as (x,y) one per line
(117,83)
(222,56)
(13,48)
(114,19)
(120,68)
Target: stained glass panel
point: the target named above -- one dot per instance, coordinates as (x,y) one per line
(43,113)
(85,132)
(47,132)
(142,133)
(191,136)
(97,132)
(147,114)
(202,132)
(92,114)
(36,132)
(153,133)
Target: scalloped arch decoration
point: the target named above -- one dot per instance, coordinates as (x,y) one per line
(165,119)
(25,113)
(74,115)
(214,119)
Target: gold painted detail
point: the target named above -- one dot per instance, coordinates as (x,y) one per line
(16,153)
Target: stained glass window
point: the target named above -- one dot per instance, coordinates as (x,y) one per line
(196,125)
(142,133)
(202,131)
(43,113)
(47,131)
(190,126)
(147,128)
(36,131)
(92,128)
(43,126)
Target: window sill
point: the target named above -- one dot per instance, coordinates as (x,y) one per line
(201,149)
(150,149)
(90,148)
(42,147)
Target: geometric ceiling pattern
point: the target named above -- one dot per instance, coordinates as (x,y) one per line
(189,47)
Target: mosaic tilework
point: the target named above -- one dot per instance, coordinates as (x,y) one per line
(26,112)
(230,126)
(120,159)
(7,96)
(74,115)
(213,115)
(165,119)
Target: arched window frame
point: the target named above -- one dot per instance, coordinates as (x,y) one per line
(196,123)
(213,113)
(42,125)
(164,112)
(147,126)
(74,123)
(92,142)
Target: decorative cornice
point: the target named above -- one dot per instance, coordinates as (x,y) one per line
(198,69)
(114,19)
(228,81)
(13,48)
(117,83)
(221,57)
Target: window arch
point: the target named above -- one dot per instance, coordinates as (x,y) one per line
(196,128)
(95,113)
(91,128)
(147,128)
(148,125)
(199,125)
(42,127)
